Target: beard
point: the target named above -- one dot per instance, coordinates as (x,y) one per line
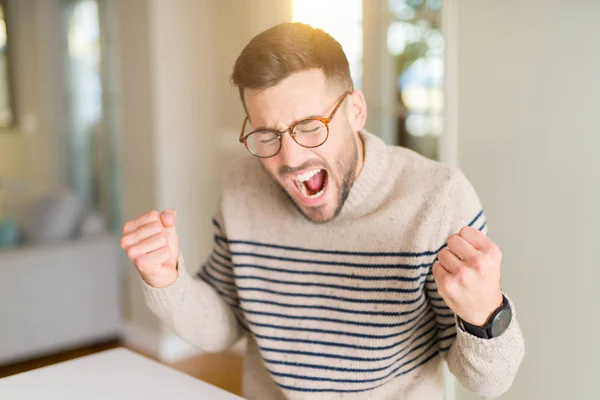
(346,161)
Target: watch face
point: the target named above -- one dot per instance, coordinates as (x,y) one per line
(501,322)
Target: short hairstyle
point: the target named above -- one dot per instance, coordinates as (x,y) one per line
(285,49)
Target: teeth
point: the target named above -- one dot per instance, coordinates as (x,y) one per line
(300,179)
(307,175)
(319,194)
(302,188)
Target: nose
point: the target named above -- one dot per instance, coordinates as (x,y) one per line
(291,153)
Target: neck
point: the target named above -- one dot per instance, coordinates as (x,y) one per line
(372,162)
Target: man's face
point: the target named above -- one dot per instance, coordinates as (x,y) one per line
(317,180)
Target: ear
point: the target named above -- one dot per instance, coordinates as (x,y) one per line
(357,110)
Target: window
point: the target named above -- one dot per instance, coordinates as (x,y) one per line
(415,41)
(343,21)
(92,143)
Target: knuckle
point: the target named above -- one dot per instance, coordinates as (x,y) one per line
(142,263)
(478,262)
(444,253)
(141,259)
(164,254)
(447,284)
(453,241)
(154,214)
(472,260)
(444,284)
(495,252)
(462,277)
(465,231)
(441,279)
(131,253)
(160,239)
(156,226)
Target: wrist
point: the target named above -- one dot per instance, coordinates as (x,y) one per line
(497,323)
(163,281)
(483,317)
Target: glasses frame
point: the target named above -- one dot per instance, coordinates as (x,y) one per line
(326,121)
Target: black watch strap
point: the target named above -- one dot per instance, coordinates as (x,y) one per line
(494,327)
(478,331)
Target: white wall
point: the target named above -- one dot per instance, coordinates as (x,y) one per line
(528,138)
(173,62)
(237,23)
(138,169)
(182,45)
(168,134)
(379,83)
(168,127)
(175,59)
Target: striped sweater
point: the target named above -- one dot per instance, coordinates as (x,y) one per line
(348,309)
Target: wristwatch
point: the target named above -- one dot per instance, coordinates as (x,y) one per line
(495,325)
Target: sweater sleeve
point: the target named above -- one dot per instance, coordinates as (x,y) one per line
(202,308)
(484,366)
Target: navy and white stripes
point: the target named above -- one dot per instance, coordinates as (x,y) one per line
(332,320)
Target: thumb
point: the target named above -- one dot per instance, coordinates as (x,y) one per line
(168,218)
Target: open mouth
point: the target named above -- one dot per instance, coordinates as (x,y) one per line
(312,184)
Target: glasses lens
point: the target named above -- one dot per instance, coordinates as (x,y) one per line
(310,133)
(263,143)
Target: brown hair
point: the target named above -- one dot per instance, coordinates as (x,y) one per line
(287,48)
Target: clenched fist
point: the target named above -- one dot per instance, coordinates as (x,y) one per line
(151,243)
(467,274)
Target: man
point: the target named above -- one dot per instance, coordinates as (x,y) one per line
(352,267)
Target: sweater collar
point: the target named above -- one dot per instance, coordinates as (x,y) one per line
(374,166)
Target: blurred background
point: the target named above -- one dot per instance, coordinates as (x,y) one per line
(110,108)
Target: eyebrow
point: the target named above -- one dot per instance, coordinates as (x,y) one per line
(273,128)
(265,128)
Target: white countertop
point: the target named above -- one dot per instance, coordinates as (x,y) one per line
(112,374)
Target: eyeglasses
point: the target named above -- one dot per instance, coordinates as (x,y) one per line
(308,132)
